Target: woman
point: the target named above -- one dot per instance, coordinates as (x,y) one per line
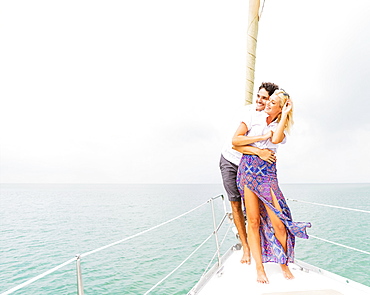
(271,231)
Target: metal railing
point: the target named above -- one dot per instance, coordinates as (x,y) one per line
(77,258)
(331,206)
(336,207)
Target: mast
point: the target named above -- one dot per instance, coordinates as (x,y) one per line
(252,33)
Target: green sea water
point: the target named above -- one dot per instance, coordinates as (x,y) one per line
(44,225)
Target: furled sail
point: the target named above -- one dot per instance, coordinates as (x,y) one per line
(252,33)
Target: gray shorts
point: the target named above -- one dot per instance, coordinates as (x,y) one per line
(228,173)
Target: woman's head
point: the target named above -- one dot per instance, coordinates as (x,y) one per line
(275,106)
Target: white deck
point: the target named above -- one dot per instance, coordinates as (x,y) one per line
(240,278)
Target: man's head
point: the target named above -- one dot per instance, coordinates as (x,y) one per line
(264,91)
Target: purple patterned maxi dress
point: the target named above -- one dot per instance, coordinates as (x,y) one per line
(260,177)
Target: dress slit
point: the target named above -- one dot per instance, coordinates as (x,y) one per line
(260,177)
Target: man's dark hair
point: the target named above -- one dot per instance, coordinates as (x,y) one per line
(269,87)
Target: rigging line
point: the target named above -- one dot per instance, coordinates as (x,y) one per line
(214,255)
(190,256)
(37,277)
(186,259)
(140,233)
(348,247)
(358,210)
(227,231)
(263,5)
(96,250)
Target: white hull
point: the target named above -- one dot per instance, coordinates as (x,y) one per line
(237,278)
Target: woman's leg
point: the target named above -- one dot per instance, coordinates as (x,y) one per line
(280,232)
(254,241)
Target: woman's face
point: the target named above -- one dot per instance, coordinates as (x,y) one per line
(273,106)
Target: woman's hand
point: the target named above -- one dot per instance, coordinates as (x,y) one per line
(287,106)
(267,135)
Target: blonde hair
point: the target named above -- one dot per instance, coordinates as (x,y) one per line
(283,99)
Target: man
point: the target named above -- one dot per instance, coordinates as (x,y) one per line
(230,158)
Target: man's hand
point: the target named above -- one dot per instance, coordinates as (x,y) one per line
(267,155)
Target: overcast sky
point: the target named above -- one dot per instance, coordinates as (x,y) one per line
(149,91)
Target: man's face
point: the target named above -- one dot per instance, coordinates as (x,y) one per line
(262,97)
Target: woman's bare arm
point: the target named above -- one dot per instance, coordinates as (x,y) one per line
(278,136)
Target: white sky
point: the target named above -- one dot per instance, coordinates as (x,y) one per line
(148,91)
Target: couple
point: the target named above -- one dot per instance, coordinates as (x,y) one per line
(249,172)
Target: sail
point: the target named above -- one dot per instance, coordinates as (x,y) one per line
(252,33)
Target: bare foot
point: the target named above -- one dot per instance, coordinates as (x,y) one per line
(246,256)
(286,272)
(261,276)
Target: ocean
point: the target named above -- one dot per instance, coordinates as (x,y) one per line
(44,225)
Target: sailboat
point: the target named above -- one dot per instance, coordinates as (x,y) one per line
(229,276)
